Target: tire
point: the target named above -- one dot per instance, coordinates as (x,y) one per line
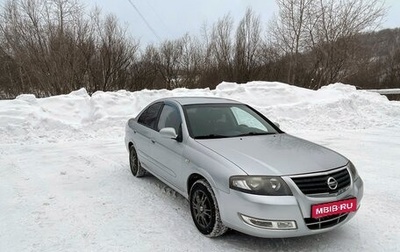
(136,169)
(204,209)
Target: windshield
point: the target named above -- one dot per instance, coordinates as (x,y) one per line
(207,121)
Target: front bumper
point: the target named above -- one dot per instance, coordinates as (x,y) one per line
(297,208)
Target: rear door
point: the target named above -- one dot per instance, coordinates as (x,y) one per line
(144,132)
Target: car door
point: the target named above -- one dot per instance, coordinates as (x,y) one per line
(168,153)
(144,133)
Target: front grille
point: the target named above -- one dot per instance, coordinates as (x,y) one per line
(325,222)
(318,183)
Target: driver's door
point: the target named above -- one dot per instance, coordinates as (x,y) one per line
(168,153)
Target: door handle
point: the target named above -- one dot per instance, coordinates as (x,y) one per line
(153,141)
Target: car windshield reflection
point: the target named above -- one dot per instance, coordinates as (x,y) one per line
(212,121)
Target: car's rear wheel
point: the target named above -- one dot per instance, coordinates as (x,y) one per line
(204,209)
(136,168)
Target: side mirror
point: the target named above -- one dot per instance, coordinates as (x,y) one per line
(168,133)
(277,124)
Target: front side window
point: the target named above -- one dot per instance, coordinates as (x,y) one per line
(169,118)
(225,120)
(149,117)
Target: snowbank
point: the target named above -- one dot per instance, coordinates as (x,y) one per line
(334,107)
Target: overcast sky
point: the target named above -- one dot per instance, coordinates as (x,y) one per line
(171,19)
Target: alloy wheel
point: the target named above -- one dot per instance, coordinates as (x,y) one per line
(202,209)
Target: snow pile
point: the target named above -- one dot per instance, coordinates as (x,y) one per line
(334,107)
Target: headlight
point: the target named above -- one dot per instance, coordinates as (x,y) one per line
(353,171)
(273,186)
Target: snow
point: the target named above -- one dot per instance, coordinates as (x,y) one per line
(65,183)
(386,91)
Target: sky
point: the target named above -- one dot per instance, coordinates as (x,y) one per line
(173,18)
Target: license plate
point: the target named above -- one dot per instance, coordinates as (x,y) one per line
(332,208)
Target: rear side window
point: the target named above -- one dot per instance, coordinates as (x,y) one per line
(149,117)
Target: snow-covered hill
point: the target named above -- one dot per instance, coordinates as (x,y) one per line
(65,183)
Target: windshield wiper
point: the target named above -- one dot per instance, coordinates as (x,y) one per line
(211,136)
(256,134)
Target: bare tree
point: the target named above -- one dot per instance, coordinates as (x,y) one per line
(337,24)
(169,62)
(289,31)
(326,28)
(51,46)
(144,71)
(114,55)
(57,50)
(39,35)
(247,46)
(191,62)
(221,47)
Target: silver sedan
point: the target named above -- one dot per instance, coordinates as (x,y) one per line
(240,171)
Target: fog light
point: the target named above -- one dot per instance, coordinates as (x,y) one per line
(286,224)
(269,224)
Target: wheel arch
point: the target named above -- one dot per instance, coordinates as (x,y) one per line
(207,177)
(193,178)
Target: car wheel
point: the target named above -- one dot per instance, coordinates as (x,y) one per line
(136,168)
(204,209)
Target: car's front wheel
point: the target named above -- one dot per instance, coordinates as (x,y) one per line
(204,209)
(136,168)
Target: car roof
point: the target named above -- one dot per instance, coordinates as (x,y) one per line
(189,100)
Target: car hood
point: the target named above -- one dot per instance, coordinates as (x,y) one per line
(278,154)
